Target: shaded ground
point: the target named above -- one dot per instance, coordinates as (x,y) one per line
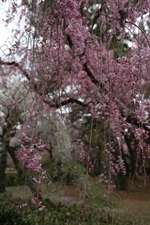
(133,205)
(136,202)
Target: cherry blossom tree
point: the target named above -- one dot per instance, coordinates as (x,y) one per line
(78,59)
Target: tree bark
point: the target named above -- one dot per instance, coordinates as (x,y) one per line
(11,151)
(3,161)
(121,182)
(132,152)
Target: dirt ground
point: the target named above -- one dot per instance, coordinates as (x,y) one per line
(136,201)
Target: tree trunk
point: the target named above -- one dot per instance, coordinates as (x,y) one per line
(132,152)
(3,161)
(121,182)
(12,151)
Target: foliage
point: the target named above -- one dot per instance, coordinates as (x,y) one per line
(12,179)
(10,214)
(67,173)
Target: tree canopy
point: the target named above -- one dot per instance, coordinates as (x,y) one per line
(88,60)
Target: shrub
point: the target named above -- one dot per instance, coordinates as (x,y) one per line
(10,214)
(58,172)
(12,179)
(56,215)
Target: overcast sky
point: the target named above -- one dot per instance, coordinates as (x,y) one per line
(3,29)
(7,31)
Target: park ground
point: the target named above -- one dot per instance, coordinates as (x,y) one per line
(132,205)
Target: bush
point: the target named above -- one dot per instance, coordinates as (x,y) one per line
(58,172)
(10,214)
(56,215)
(12,179)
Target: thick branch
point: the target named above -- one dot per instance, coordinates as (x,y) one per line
(93,79)
(86,68)
(56,105)
(13,63)
(135,122)
(66,102)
